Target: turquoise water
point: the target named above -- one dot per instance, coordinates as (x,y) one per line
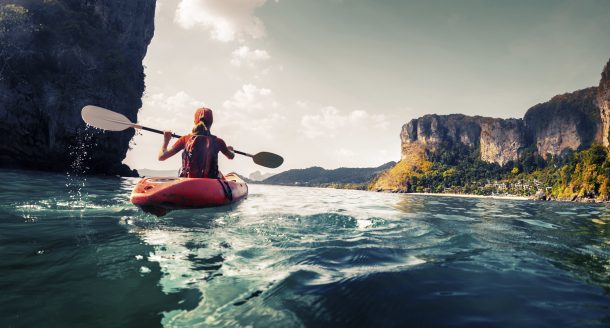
(75,252)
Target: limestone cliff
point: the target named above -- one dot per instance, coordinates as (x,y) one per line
(57,56)
(603,102)
(566,122)
(434,131)
(499,140)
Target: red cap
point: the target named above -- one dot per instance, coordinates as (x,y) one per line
(205,115)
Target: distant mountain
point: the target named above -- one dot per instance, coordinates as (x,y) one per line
(317,176)
(258,176)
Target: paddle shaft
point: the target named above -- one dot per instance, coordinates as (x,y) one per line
(137,126)
(154,130)
(242,153)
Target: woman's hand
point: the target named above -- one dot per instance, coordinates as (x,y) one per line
(231,153)
(164,153)
(167,136)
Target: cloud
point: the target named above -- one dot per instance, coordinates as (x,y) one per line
(175,104)
(330,121)
(170,112)
(158,9)
(251,98)
(226,20)
(345,153)
(244,56)
(252,109)
(302,104)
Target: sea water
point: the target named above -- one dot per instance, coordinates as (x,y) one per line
(75,252)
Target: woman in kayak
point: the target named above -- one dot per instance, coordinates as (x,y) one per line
(200,155)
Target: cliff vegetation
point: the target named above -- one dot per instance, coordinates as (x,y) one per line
(580,175)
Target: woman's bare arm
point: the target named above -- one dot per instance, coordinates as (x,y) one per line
(226,150)
(164,153)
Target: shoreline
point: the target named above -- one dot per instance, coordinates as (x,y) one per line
(502,197)
(388,191)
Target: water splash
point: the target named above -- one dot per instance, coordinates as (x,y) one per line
(76,180)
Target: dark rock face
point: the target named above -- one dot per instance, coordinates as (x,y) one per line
(57,56)
(603,102)
(570,121)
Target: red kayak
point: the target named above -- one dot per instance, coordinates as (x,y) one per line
(159,195)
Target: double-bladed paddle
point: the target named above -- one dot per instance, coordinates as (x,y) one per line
(105,119)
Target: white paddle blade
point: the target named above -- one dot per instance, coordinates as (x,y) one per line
(104,119)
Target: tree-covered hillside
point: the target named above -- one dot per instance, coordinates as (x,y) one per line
(357,178)
(580,175)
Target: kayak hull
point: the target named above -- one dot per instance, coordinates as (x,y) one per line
(159,195)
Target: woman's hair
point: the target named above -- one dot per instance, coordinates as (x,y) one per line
(203,121)
(201,129)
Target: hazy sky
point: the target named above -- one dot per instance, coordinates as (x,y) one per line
(330,82)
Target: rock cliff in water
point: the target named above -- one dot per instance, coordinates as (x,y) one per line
(57,56)
(603,102)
